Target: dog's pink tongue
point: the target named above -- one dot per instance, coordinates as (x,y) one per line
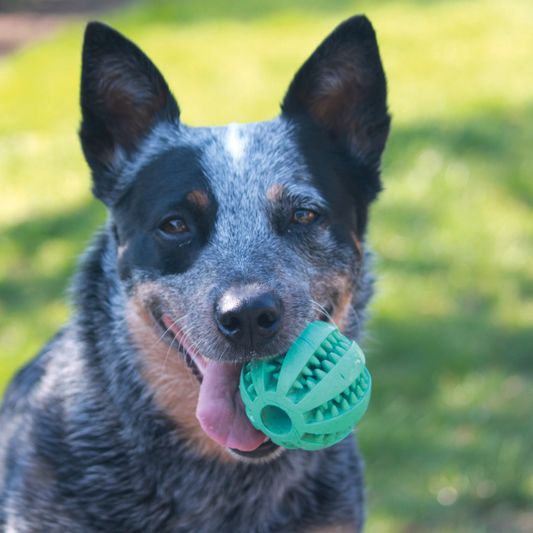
(221,411)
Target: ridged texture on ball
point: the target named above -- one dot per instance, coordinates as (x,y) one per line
(313,396)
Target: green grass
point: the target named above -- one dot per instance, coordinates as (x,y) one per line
(448,438)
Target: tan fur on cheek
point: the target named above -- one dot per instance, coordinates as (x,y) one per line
(340,316)
(358,245)
(175,389)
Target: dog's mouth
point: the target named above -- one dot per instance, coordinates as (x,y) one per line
(220,408)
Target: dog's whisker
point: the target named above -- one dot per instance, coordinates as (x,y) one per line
(192,345)
(166,357)
(160,338)
(319,307)
(167,330)
(170,348)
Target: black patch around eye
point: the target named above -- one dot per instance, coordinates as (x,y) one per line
(162,231)
(304,217)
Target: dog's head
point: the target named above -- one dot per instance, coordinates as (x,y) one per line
(230,240)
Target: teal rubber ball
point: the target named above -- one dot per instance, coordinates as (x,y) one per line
(313,396)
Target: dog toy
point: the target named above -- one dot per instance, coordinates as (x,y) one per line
(313,396)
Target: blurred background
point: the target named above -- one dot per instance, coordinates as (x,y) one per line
(448,438)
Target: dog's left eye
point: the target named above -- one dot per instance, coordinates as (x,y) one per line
(174,226)
(304,217)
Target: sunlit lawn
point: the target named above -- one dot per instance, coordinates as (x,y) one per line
(448,438)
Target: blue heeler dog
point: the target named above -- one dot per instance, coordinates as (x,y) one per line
(221,245)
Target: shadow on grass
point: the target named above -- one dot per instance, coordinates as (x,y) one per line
(34,278)
(501,139)
(450,408)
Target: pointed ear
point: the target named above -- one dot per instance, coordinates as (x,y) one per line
(342,87)
(123,96)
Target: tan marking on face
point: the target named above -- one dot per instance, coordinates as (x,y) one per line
(358,244)
(198,199)
(275,192)
(341,314)
(175,390)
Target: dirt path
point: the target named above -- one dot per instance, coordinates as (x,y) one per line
(22,22)
(18,29)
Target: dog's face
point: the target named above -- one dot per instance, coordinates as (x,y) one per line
(230,240)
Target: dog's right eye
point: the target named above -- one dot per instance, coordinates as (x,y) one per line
(174,226)
(304,217)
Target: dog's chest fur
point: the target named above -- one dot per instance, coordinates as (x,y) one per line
(101,431)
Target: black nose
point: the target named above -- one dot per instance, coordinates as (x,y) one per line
(248,316)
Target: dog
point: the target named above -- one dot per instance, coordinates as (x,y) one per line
(222,244)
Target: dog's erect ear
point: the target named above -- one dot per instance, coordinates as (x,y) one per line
(123,96)
(342,87)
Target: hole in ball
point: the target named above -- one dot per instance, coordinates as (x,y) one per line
(276,420)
